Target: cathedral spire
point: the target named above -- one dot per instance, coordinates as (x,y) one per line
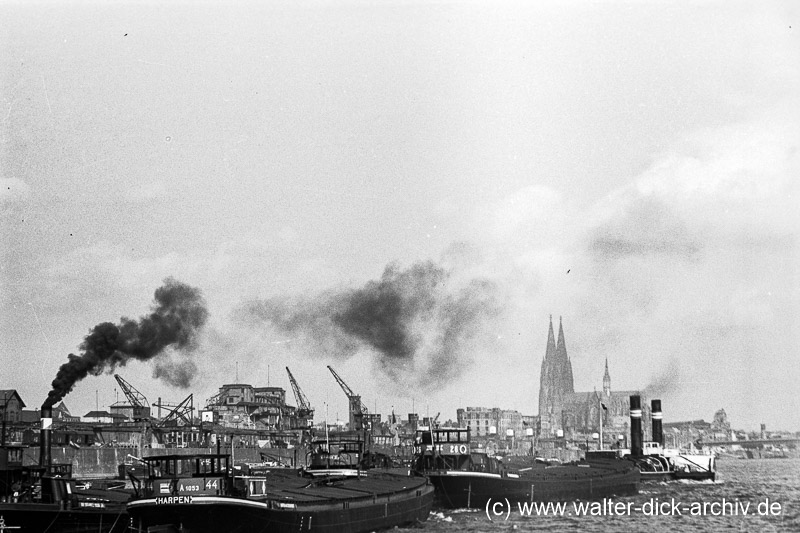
(561,347)
(607,381)
(551,342)
(567,384)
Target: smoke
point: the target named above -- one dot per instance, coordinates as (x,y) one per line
(418,322)
(178,313)
(380,314)
(668,382)
(459,318)
(176,373)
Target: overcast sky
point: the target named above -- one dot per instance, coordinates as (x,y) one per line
(630,167)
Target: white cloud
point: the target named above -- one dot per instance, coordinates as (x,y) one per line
(691,265)
(696,261)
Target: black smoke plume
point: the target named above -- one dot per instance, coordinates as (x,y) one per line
(417,320)
(381,314)
(178,314)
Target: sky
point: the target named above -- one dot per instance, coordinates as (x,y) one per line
(406,191)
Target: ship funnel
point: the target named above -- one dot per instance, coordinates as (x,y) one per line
(658,431)
(44,437)
(636,425)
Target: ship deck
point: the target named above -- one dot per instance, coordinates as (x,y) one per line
(291,487)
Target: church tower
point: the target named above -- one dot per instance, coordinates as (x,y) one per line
(555,381)
(547,381)
(606,382)
(567,382)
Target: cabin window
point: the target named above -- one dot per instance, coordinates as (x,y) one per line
(257,487)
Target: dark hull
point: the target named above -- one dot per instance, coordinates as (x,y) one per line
(696,476)
(39,517)
(658,468)
(673,475)
(207,514)
(658,476)
(458,489)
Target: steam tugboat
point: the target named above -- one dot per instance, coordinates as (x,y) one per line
(206,493)
(466,478)
(655,462)
(44,498)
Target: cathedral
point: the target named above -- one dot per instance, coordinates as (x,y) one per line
(577,414)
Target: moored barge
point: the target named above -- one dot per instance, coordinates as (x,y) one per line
(467,478)
(43,498)
(205,493)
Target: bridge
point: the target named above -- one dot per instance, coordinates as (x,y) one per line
(750,443)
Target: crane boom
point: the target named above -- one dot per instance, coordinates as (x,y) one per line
(359,414)
(341,383)
(135,397)
(140,405)
(183,411)
(302,401)
(305,414)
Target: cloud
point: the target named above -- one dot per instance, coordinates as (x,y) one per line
(721,191)
(695,262)
(689,268)
(647,227)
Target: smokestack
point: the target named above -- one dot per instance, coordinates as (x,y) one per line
(658,431)
(44,437)
(636,426)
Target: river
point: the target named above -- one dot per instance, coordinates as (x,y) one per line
(753,495)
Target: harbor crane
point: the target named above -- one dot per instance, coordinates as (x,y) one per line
(360,418)
(305,414)
(139,404)
(183,412)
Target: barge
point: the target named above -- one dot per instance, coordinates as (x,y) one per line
(206,493)
(469,478)
(43,498)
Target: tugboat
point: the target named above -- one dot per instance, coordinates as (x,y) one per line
(206,493)
(467,478)
(655,462)
(45,497)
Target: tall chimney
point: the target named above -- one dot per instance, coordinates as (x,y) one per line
(658,431)
(44,437)
(636,426)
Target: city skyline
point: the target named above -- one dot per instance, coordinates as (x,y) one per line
(406,192)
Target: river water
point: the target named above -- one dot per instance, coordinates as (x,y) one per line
(749,495)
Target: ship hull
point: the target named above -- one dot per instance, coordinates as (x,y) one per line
(206,514)
(39,517)
(463,489)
